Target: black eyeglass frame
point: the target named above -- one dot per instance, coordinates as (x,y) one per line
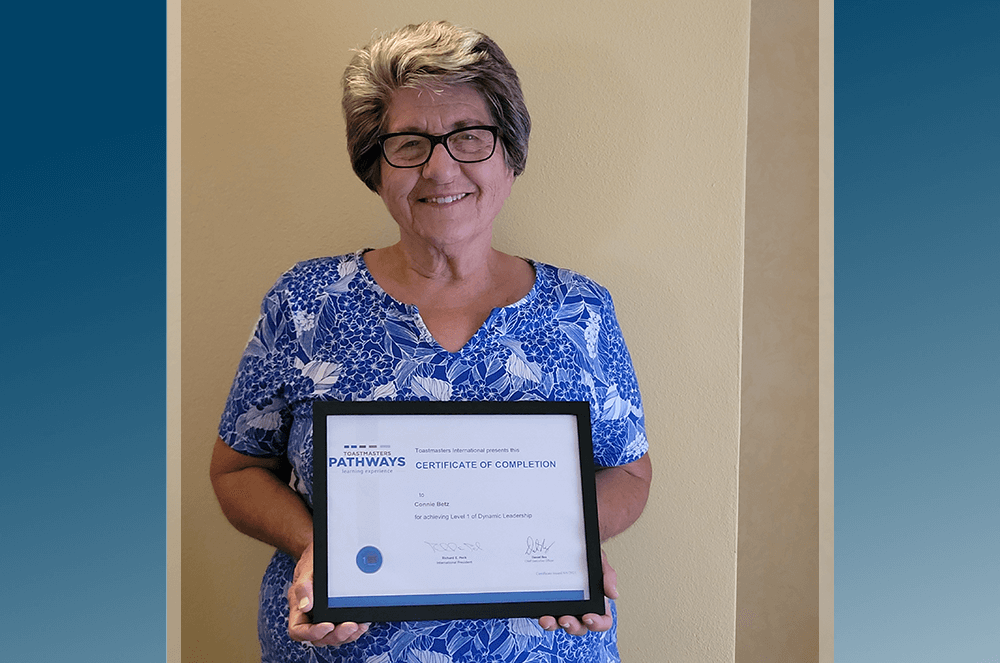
(441,139)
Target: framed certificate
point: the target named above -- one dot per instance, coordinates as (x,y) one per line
(442,510)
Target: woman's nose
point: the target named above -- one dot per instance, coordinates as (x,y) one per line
(440,166)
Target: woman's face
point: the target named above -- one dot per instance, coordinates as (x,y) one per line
(443,202)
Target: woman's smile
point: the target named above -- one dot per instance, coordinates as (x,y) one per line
(443,200)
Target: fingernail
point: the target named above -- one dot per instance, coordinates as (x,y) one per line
(588,622)
(564,625)
(304,602)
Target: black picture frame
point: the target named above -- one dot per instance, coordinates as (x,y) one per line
(412,609)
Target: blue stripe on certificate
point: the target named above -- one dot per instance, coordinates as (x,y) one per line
(449,599)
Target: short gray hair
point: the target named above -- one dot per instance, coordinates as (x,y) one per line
(430,55)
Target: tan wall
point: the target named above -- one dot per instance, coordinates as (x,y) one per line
(777,585)
(652,95)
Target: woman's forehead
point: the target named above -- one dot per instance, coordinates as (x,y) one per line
(422,109)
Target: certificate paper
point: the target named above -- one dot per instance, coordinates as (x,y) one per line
(439,510)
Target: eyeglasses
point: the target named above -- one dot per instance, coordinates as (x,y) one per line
(465,145)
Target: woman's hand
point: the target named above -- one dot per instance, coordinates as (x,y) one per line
(591,622)
(300,601)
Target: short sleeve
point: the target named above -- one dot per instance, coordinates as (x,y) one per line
(619,424)
(257,418)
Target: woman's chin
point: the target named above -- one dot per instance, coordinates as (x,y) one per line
(440,229)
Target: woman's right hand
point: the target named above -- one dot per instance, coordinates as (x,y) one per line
(300,602)
(255,496)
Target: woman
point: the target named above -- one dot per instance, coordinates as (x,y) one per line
(437,126)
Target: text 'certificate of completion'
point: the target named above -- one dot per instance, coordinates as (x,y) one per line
(454,510)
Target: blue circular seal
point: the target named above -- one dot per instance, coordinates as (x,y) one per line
(369,559)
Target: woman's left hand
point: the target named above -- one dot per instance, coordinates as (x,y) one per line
(591,621)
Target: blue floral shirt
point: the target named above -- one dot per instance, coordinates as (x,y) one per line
(328,331)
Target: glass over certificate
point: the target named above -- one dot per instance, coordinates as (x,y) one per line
(439,510)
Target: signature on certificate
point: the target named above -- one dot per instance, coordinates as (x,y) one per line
(538,547)
(452,546)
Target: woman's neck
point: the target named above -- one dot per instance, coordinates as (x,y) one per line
(421,266)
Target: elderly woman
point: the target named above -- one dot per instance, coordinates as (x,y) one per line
(437,127)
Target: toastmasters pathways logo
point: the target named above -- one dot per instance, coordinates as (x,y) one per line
(366,459)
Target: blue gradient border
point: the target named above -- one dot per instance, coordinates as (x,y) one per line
(83,210)
(917,328)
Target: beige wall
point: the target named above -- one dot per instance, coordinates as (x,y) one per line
(654,97)
(777,584)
